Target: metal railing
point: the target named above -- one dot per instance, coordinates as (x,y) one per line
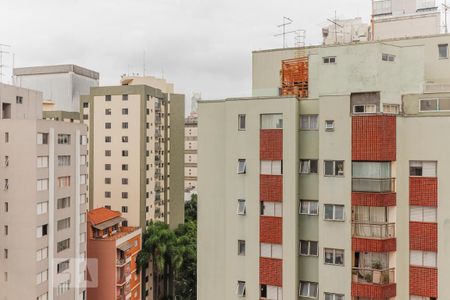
(373,276)
(373,185)
(373,230)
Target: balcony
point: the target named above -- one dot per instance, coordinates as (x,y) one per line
(373,185)
(373,230)
(373,283)
(121,262)
(373,276)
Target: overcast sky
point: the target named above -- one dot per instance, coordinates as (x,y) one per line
(199,45)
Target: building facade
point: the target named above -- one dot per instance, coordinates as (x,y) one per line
(329,183)
(43,197)
(114,248)
(190,153)
(61,85)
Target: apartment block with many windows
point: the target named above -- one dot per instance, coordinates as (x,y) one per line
(329,183)
(43,198)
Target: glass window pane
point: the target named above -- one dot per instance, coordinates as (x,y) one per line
(429,259)
(313,249)
(429,214)
(304,288)
(304,248)
(329,256)
(313,290)
(428,105)
(313,207)
(304,122)
(329,168)
(339,212)
(328,212)
(339,168)
(304,205)
(415,258)
(313,124)
(339,257)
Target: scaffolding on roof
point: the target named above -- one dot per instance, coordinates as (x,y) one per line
(294,77)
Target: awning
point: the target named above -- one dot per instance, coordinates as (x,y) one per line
(109,223)
(125,246)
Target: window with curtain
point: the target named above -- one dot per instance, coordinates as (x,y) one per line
(371,169)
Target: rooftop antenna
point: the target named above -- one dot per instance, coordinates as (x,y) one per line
(286,21)
(2,46)
(335,25)
(446,8)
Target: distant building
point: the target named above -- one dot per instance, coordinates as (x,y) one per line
(190,154)
(61,85)
(43,196)
(346,31)
(115,247)
(404,18)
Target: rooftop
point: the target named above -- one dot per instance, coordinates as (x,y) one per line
(101,215)
(56,69)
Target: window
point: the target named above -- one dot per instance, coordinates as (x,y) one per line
(124,152)
(308,289)
(124,209)
(272,121)
(63,245)
(124,111)
(382,7)
(124,139)
(329,59)
(309,207)
(241,210)
(124,180)
(309,122)
(83,237)
(63,160)
(271,250)
(329,125)
(107,152)
(42,254)
(42,208)
(124,125)
(107,139)
(6,208)
(331,296)
(334,167)
(19,99)
(7,137)
(241,122)
(42,185)
(63,139)
(107,194)
(271,209)
(107,125)
(422,168)
(108,167)
(63,224)
(241,247)
(83,198)
(107,97)
(391,109)
(41,277)
(83,218)
(63,287)
(423,214)
(308,166)
(107,180)
(6,229)
(42,161)
(433,105)
(271,167)
(124,195)
(241,288)
(41,231)
(107,111)
(334,256)
(364,109)
(85,104)
(423,258)
(83,179)
(309,248)
(334,212)
(62,266)
(5,253)
(387,57)
(83,140)
(63,181)
(124,167)
(242,166)
(271,292)
(42,138)
(63,203)
(83,160)
(443,51)
(124,97)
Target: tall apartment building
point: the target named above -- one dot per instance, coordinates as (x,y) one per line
(330,182)
(61,85)
(190,153)
(43,195)
(115,249)
(136,146)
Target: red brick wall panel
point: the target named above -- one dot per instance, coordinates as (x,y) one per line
(270,230)
(374,245)
(372,291)
(271,271)
(374,138)
(271,188)
(374,199)
(271,144)
(423,191)
(423,281)
(423,236)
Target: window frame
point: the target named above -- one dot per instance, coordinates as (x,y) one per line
(316,163)
(309,117)
(241,288)
(334,212)
(439,51)
(310,283)
(242,117)
(309,207)
(309,248)
(241,207)
(333,258)
(241,248)
(242,166)
(327,60)
(335,172)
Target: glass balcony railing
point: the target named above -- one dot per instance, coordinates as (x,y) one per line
(373,230)
(373,276)
(373,185)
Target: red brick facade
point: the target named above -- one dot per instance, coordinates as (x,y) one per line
(423,236)
(270,230)
(375,292)
(270,271)
(423,191)
(423,281)
(373,245)
(374,199)
(271,144)
(374,138)
(271,188)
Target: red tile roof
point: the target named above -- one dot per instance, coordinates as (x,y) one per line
(102,214)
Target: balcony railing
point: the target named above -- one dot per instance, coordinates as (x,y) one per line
(373,276)
(373,185)
(121,261)
(373,230)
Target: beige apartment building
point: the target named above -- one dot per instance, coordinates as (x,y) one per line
(136,146)
(190,153)
(330,182)
(43,195)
